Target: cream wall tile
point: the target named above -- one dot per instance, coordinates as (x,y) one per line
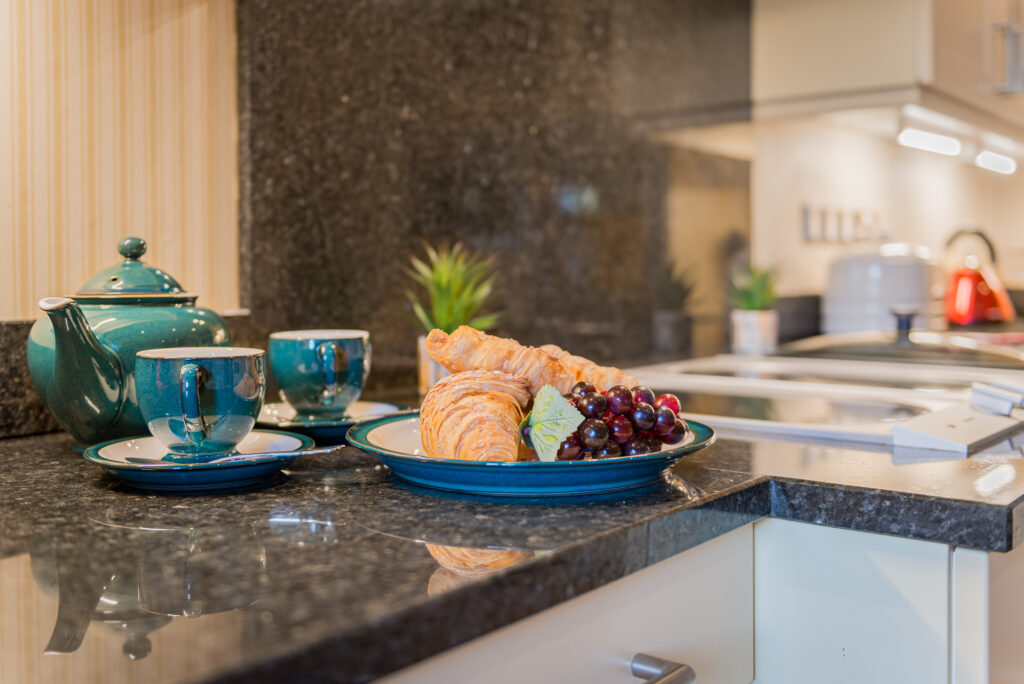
(920,198)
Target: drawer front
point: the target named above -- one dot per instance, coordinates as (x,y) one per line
(695,608)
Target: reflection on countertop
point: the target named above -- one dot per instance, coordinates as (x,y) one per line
(338,572)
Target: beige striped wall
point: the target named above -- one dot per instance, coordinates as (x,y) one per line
(186,649)
(117,117)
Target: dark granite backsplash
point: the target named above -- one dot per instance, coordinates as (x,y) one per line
(799,317)
(523,129)
(21,410)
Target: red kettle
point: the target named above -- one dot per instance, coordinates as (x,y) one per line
(975,294)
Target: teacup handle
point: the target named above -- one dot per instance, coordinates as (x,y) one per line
(192,379)
(332,357)
(193,607)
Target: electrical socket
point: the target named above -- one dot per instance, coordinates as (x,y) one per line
(823,225)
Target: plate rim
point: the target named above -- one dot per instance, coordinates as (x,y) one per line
(358,433)
(92,455)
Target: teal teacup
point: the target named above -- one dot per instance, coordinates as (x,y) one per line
(200,400)
(320,372)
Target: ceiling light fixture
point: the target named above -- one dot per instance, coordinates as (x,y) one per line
(993,161)
(929,142)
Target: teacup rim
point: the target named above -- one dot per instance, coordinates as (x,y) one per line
(186,353)
(320,333)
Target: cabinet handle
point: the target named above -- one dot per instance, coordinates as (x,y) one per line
(1013,66)
(659,671)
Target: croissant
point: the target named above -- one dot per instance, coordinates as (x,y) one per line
(474,416)
(459,566)
(582,369)
(470,561)
(468,349)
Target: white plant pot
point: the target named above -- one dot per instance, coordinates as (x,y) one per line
(754,332)
(429,371)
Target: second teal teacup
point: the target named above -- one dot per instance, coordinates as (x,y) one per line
(200,400)
(320,372)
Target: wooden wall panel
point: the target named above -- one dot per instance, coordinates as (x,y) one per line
(117,117)
(185,650)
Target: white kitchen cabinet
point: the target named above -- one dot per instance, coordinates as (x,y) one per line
(840,606)
(695,608)
(972,50)
(948,55)
(831,48)
(988,604)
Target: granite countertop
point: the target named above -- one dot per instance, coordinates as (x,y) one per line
(331,570)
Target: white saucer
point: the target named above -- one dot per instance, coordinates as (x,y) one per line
(113,457)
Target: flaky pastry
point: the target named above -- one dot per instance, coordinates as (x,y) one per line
(584,369)
(473,561)
(460,566)
(468,349)
(474,416)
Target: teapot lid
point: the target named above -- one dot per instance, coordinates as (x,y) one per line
(132,281)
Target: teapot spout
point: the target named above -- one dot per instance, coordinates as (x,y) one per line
(89,381)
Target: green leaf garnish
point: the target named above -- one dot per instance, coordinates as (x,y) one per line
(552,420)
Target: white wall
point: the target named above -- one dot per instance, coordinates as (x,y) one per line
(920,197)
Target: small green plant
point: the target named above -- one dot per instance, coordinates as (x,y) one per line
(457,285)
(753,288)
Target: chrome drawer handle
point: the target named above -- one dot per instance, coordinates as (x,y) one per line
(659,671)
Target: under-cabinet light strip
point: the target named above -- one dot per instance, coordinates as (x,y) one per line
(993,161)
(930,142)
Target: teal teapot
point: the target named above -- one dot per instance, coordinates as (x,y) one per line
(81,355)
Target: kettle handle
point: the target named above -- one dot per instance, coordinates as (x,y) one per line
(957,234)
(192,378)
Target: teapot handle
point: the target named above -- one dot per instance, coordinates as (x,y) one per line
(332,357)
(192,379)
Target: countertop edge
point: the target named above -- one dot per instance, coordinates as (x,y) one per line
(425,631)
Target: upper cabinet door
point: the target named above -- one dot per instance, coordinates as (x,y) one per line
(833,48)
(836,54)
(977,54)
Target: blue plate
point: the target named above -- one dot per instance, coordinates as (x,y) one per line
(196,477)
(395,440)
(326,431)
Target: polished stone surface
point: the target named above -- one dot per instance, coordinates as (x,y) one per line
(526,129)
(328,568)
(330,573)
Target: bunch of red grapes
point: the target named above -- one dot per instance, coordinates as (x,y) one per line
(622,422)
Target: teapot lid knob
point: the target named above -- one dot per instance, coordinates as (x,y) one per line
(132,248)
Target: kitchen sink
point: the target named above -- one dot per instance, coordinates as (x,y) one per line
(806,399)
(794,409)
(954,381)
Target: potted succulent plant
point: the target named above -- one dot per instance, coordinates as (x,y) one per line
(755,324)
(671,323)
(455,286)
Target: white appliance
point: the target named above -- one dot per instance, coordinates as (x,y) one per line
(866,289)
